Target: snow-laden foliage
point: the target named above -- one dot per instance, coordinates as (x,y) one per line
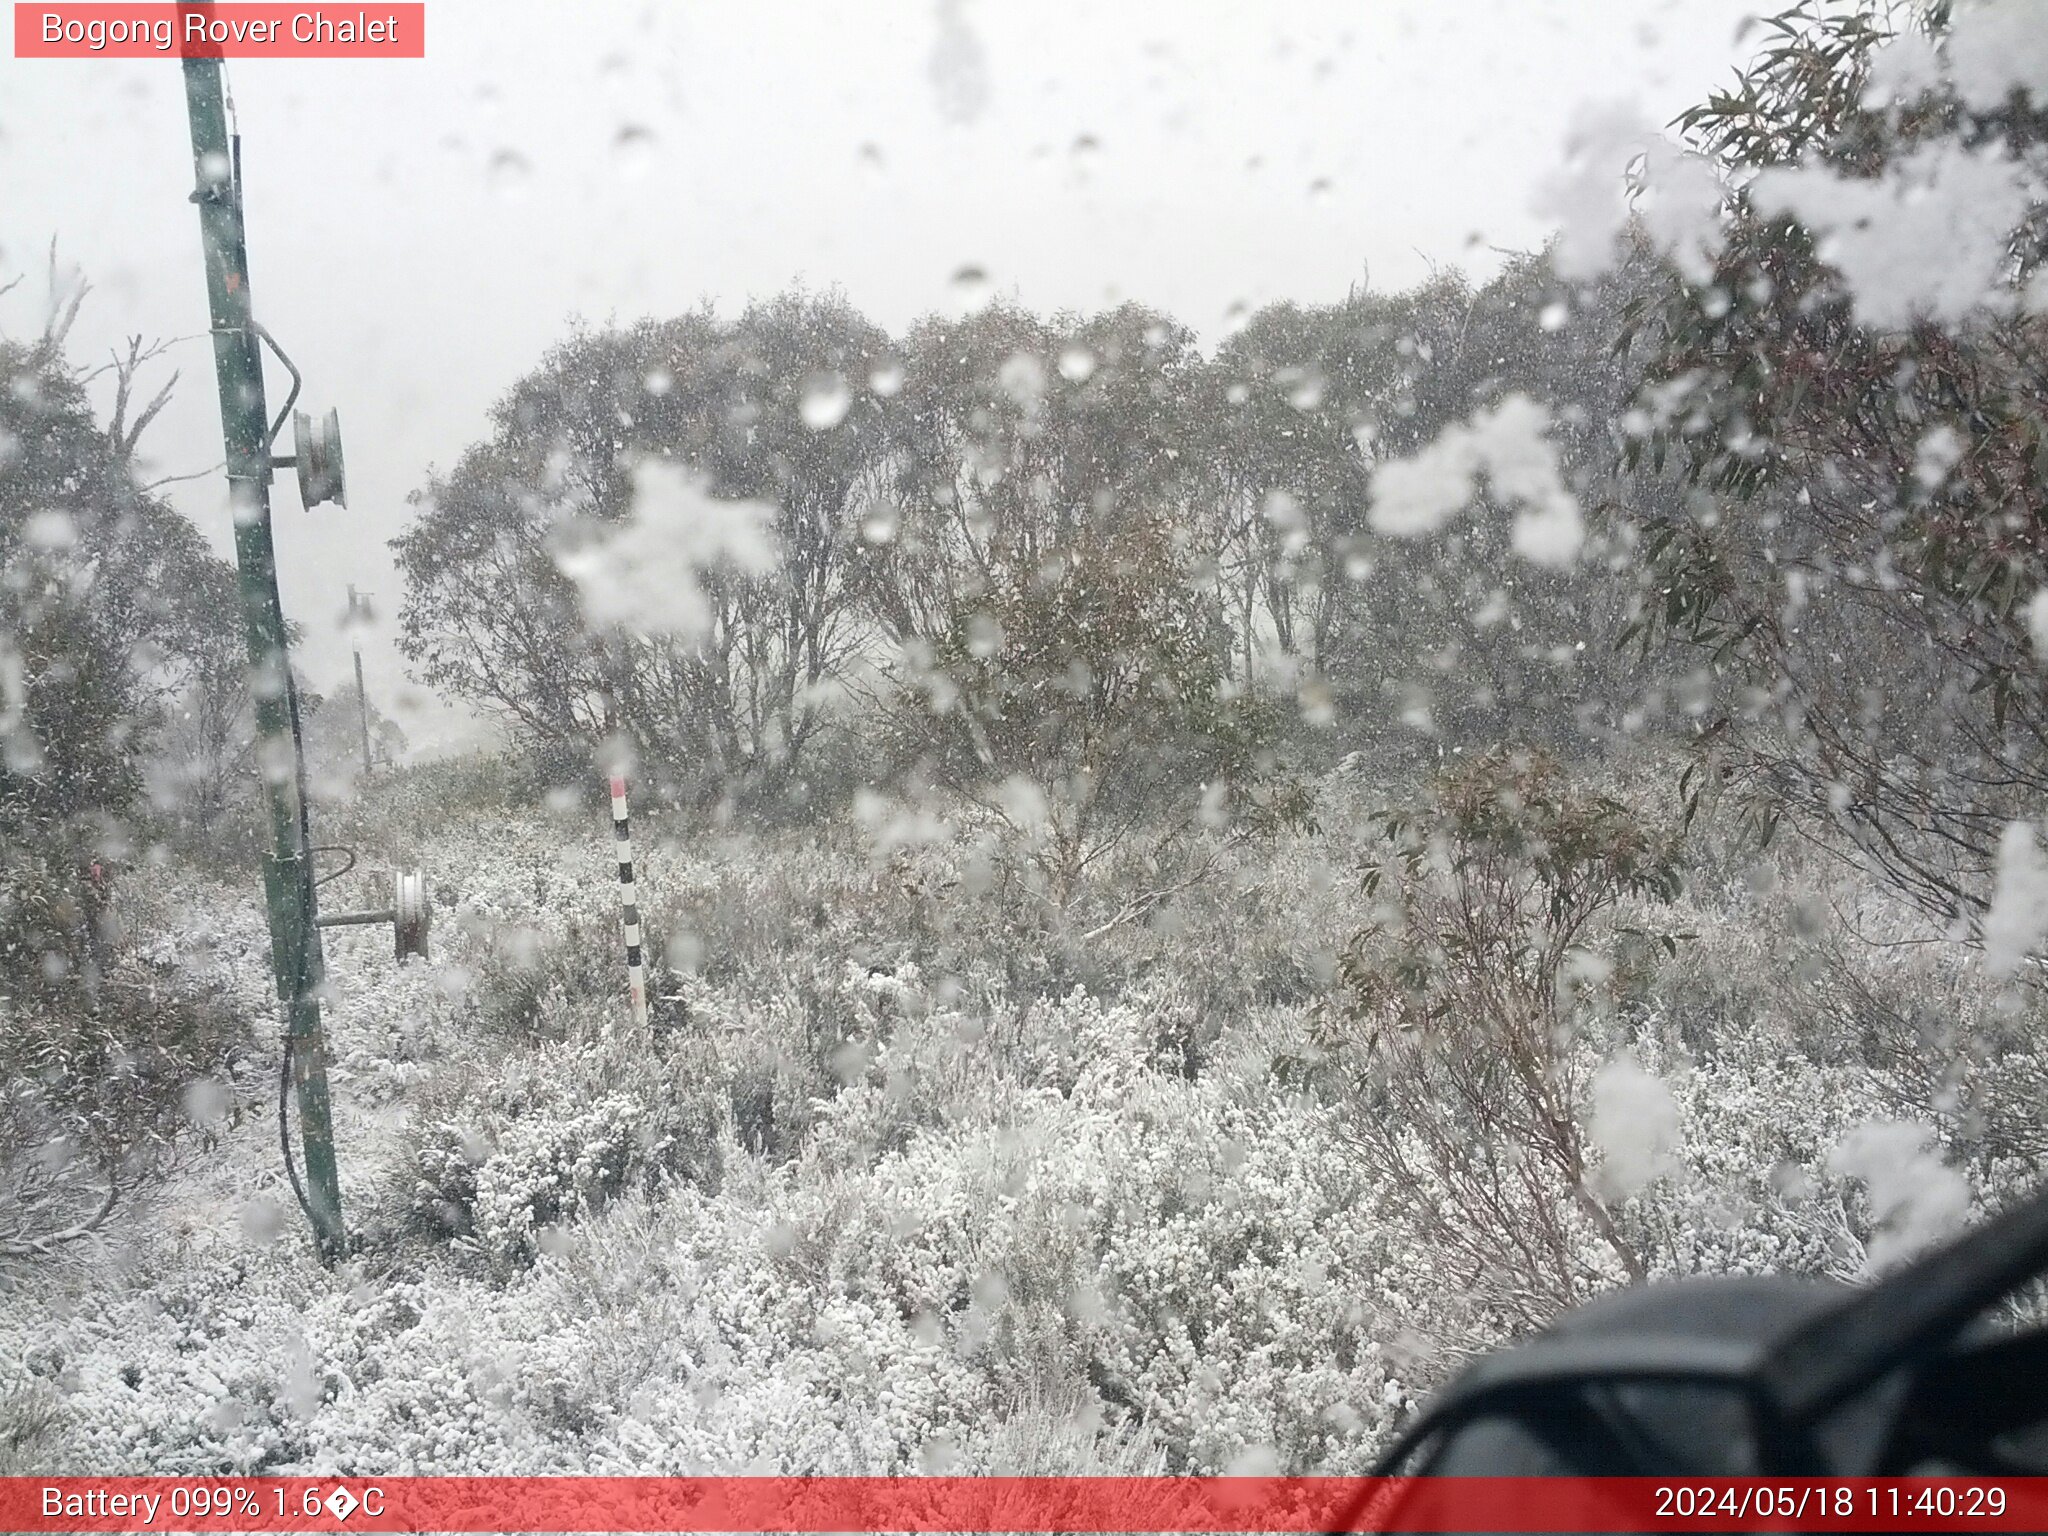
(871,1199)
(1189,892)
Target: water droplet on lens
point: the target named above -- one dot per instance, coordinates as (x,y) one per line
(1077,364)
(632,151)
(886,380)
(969,288)
(825,402)
(509,174)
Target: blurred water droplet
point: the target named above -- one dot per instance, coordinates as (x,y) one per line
(971,283)
(1077,364)
(509,174)
(208,1101)
(50,529)
(1086,147)
(886,380)
(1307,393)
(1554,315)
(958,68)
(984,637)
(1319,190)
(658,381)
(262,1221)
(686,952)
(880,528)
(632,151)
(1318,704)
(1022,377)
(872,158)
(825,402)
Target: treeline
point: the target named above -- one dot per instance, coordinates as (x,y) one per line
(1080,549)
(1011,544)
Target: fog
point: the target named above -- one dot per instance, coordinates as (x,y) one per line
(420,231)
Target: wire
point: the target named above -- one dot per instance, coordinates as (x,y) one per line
(335,874)
(302,968)
(284,1133)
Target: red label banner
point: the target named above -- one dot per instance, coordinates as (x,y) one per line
(1053,1504)
(243,29)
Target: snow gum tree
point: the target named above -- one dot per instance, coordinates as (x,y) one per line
(1461,1015)
(1856,397)
(1057,656)
(106,618)
(490,617)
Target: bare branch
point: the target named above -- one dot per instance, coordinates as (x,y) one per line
(63,308)
(25,1247)
(197,474)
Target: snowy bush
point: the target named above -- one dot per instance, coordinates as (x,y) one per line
(499,1164)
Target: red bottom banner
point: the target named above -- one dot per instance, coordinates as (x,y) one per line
(972,1504)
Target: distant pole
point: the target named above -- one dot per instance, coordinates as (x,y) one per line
(362,698)
(295,953)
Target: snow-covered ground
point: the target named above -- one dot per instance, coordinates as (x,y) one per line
(875,1194)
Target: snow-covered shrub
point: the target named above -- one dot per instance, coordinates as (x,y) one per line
(94,1092)
(527,1174)
(562,1132)
(989,1225)
(29,1420)
(1463,1010)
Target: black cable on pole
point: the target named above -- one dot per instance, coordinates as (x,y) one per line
(284,1135)
(300,965)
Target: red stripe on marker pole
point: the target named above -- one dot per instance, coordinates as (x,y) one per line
(1053,1504)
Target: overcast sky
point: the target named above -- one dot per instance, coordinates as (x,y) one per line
(420,231)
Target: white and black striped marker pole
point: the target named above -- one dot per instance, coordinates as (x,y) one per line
(636,969)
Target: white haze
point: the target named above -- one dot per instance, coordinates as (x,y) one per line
(422,230)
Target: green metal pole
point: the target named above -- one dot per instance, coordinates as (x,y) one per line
(295,951)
